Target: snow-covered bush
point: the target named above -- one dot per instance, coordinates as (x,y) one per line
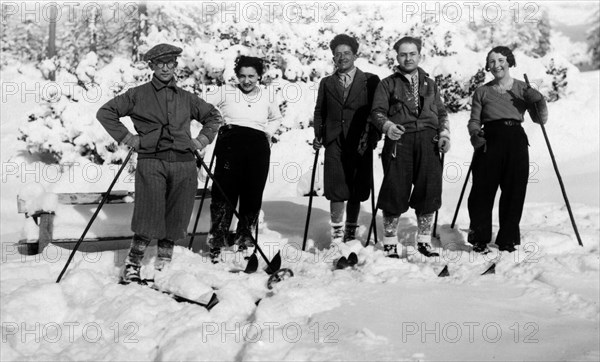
(64,126)
(455,95)
(559,81)
(297,56)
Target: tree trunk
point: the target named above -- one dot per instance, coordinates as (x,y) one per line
(52,39)
(93,30)
(140,30)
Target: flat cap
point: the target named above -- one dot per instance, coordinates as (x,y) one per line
(162,50)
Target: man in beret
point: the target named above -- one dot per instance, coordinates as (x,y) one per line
(166,175)
(340,123)
(408,109)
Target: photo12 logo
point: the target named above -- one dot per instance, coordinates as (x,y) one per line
(471,332)
(270,11)
(270,332)
(68,11)
(53,332)
(453,11)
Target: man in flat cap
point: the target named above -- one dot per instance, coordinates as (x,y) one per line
(408,109)
(166,175)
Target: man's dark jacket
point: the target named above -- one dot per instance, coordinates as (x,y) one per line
(333,115)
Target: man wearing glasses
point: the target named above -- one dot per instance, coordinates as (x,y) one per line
(166,175)
(340,123)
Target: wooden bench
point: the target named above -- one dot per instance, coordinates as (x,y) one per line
(45,220)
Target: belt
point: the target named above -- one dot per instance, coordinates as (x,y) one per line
(229,127)
(503,122)
(225,128)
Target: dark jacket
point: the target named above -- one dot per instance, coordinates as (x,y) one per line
(333,115)
(394,101)
(161,114)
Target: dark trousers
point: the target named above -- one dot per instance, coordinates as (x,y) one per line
(164,198)
(503,162)
(414,160)
(242,167)
(347,174)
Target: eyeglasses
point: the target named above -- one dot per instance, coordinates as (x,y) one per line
(162,65)
(344,54)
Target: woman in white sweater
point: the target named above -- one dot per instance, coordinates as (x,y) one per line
(243,153)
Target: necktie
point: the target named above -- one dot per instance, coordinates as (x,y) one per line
(415,89)
(345,79)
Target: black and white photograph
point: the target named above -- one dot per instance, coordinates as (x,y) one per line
(300,180)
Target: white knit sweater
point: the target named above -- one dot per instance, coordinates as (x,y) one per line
(257,110)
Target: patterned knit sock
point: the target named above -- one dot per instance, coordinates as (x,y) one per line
(136,251)
(390,225)
(350,231)
(337,232)
(336,209)
(424,224)
(165,253)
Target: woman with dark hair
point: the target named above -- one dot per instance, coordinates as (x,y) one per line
(501,155)
(243,153)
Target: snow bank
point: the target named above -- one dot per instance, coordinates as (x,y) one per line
(315,314)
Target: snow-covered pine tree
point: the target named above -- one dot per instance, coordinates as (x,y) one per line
(593,38)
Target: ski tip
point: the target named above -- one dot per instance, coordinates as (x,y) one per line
(214,300)
(341,263)
(444,272)
(490,270)
(275,264)
(352,259)
(276,261)
(252,265)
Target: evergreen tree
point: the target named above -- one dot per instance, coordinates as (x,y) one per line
(544,28)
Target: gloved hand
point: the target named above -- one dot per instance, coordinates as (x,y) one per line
(477,139)
(444,144)
(394,131)
(532,96)
(539,113)
(133,141)
(317,144)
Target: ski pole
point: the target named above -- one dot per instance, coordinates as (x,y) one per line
(235,212)
(373,225)
(560,182)
(373,212)
(106,195)
(462,193)
(256,232)
(212,160)
(435,221)
(310,198)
